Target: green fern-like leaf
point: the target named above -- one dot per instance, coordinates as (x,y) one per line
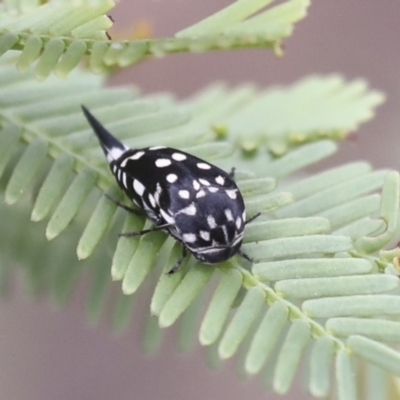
(280,117)
(58,34)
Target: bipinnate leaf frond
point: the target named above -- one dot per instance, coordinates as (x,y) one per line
(246,21)
(279,117)
(57,35)
(322,289)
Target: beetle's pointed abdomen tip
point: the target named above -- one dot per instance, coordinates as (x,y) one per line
(112,147)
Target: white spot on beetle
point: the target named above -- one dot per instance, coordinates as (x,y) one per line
(225,232)
(213,189)
(238,238)
(138,187)
(171,178)
(157,197)
(211,222)
(189,210)
(231,193)
(228,214)
(163,162)
(196,184)
(204,182)
(205,235)
(238,222)
(157,193)
(189,237)
(137,155)
(115,153)
(201,193)
(220,180)
(179,157)
(152,200)
(124,182)
(202,165)
(244,216)
(167,217)
(184,194)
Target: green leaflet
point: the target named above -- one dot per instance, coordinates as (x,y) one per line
(80,188)
(320,366)
(311,268)
(25,170)
(220,304)
(346,384)
(290,355)
(385,331)
(52,187)
(49,59)
(363,306)
(389,212)
(379,354)
(183,295)
(297,246)
(326,179)
(266,337)
(71,58)
(142,261)
(232,14)
(336,286)
(97,225)
(285,228)
(167,284)
(9,136)
(30,53)
(126,247)
(334,196)
(241,322)
(376,385)
(7,41)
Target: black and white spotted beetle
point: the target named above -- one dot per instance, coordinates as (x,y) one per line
(194,201)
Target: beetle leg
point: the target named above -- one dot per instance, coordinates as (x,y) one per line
(179,262)
(252,218)
(126,208)
(139,233)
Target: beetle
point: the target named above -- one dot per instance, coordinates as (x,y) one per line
(192,200)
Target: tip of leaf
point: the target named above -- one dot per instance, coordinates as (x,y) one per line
(205,339)
(35,217)
(224,354)
(165,322)
(127,289)
(116,274)
(10,199)
(50,234)
(82,253)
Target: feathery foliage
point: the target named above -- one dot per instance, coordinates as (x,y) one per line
(323,289)
(59,34)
